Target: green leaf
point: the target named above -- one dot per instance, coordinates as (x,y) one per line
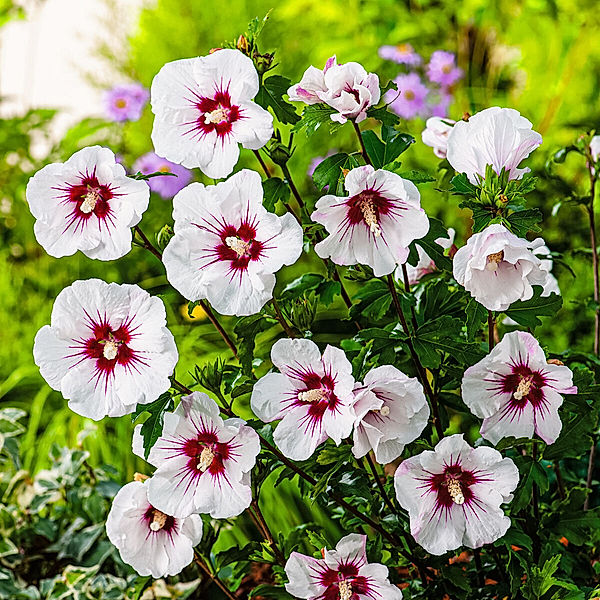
(381,113)
(247,329)
(461,185)
(313,116)
(375,148)
(531,472)
(575,437)
(443,336)
(271,94)
(527,312)
(417,177)
(374,301)
(396,143)
(153,425)
(476,315)
(275,190)
(523,221)
(431,247)
(329,171)
(304,283)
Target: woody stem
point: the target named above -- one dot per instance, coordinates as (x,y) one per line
(362,143)
(205,306)
(212,576)
(262,524)
(415,358)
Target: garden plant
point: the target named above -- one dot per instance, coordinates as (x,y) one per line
(396,375)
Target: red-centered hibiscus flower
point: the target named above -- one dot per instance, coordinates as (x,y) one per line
(203,109)
(227,246)
(312,395)
(342,574)
(375,224)
(107,348)
(453,495)
(516,391)
(152,542)
(202,463)
(87,204)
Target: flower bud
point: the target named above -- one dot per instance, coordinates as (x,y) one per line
(163,237)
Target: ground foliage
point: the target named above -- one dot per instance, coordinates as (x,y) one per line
(53,543)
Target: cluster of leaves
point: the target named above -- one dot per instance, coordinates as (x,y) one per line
(53,543)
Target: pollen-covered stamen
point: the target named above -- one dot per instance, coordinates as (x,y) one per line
(523,388)
(110,350)
(493,260)
(370,216)
(237,245)
(311,395)
(205,460)
(216,116)
(384,411)
(455,491)
(345,588)
(90,200)
(159,520)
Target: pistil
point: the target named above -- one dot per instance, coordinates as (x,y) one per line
(90,200)
(455,491)
(206,457)
(345,588)
(523,388)
(311,395)
(158,520)
(493,260)
(110,350)
(370,216)
(237,245)
(216,116)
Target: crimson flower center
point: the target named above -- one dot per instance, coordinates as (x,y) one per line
(158,521)
(367,207)
(240,247)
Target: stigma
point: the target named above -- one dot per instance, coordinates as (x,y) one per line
(216,116)
(239,247)
(455,491)
(493,260)
(90,200)
(206,457)
(345,588)
(370,216)
(311,395)
(158,520)
(110,350)
(523,388)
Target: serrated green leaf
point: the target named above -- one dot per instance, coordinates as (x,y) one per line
(274,190)
(313,116)
(270,94)
(527,312)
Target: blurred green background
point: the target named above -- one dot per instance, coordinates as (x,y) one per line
(541,57)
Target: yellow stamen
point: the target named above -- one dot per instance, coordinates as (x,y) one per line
(523,388)
(239,247)
(455,491)
(493,260)
(216,116)
(206,457)
(384,411)
(90,200)
(345,588)
(110,350)
(311,395)
(409,95)
(370,216)
(158,520)
(140,477)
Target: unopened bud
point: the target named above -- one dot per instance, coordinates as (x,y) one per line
(466,116)
(345,172)
(263,62)
(163,237)
(242,44)
(555,361)
(279,153)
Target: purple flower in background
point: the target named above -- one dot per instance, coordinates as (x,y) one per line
(167,186)
(409,101)
(403,54)
(442,68)
(125,102)
(440,108)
